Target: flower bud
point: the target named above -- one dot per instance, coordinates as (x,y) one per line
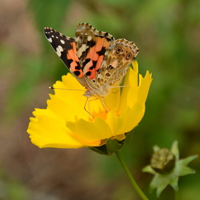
(163,161)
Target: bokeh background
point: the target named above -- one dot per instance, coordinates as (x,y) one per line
(167,33)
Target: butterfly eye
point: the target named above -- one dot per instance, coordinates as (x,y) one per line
(128,56)
(118,51)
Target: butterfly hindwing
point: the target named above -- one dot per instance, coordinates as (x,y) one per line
(118,57)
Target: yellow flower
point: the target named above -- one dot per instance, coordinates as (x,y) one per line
(66,124)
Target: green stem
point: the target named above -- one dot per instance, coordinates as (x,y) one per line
(134,184)
(176,195)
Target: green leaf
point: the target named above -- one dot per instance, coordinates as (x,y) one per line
(187,160)
(101,150)
(114,145)
(128,137)
(110,147)
(175,150)
(185,171)
(174,182)
(148,169)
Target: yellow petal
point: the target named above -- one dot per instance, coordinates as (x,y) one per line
(48,130)
(67,110)
(93,105)
(114,122)
(132,116)
(144,87)
(119,137)
(131,82)
(70,96)
(112,100)
(90,132)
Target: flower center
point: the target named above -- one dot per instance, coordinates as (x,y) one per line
(102,114)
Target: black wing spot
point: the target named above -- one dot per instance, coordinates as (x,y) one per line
(102,52)
(94,64)
(92,43)
(77,73)
(108,75)
(78,67)
(86,61)
(110,67)
(88,73)
(92,67)
(67,61)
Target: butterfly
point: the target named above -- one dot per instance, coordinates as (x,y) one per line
(95,58)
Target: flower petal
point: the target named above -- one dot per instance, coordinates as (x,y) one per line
(131,117)
(66,110)
(144,85)
(49,130)
(113,99)
(72,100)
(90,133)
(131,81)
(114,122)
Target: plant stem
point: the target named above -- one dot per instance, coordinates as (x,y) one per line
(176,195)
(134,184)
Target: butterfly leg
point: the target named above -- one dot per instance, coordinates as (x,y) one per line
(88,101)
(104,104)
(88,106)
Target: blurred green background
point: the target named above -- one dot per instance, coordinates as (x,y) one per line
(168,35)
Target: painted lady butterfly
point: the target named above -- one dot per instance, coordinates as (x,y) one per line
(95,58)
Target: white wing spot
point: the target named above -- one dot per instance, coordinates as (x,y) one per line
(59,49)
(81,50)
(58,53)
(62,41)
(50,39)
(89,38)
(77,39)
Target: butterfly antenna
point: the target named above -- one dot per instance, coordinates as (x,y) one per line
(120,86)
(53,88)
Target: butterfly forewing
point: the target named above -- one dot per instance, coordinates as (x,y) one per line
(65,48)
(91,46)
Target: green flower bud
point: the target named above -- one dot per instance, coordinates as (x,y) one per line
(167,168)
(163,161)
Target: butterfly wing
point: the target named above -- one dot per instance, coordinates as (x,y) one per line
(91,46)
(95,58)
(65,47)
(116,61)
(118,57)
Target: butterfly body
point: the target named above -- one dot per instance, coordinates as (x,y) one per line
(95,58)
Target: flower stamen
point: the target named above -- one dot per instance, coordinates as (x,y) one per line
(102,114)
